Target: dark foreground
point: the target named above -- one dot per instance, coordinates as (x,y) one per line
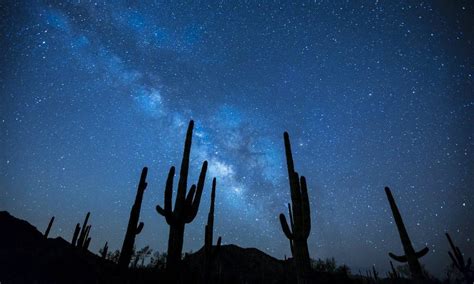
(26,256)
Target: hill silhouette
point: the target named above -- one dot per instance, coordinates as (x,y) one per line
(26,256)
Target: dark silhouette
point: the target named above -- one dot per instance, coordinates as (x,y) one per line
(210,252)
(75,235)
(375,273)
(185,208)
(410,255)
(83,240)
(458,261)
(300,218)
(133,228)
(46,233)
(28,256)
(394,273)
(103,252)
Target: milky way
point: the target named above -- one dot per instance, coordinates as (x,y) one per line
(373,95)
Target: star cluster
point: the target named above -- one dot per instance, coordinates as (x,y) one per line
(372,95)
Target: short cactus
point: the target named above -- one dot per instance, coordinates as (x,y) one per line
(410,255)
(104,250)
(458,261)
(76,234)
(186,206)
(46,233)
(300,218)
(210,252)
(133,228)
(81,237)
(84,232)
(394,273)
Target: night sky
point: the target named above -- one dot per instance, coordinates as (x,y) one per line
(373,95)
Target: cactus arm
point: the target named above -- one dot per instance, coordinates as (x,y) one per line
(86,243)
(285,227)
(139,228)
(192,209)
(422,252)
(402,258)
(160,210)
(76,234)
(454,260)
(460,257)
(305,208)
(290,214)
(167,211)
(49,227)
(82,237)
(189,198)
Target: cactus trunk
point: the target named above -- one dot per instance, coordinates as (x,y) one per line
(210,253)
(458,261)
(175,246)
(49,227)
(300,218)
(133,228)
(410,255)
(75,234)
(185,208)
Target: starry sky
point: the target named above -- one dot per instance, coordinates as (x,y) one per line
(373,94)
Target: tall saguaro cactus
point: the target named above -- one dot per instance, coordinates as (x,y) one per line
(410,255)
(458,261)
(133,228)
(185,207)
(46,233)
(210,253)
(300,217)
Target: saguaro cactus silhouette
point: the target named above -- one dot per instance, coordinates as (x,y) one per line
(46,233)
(185,207)
(82,239)
(76,234)
(103,252)
(410,255)
(393,274)
(133,228)
(300,217)
(458,261)
(210,252)
(84,231)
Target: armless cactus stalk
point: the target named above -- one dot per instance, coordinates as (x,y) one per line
(300,218)
(458,261)
(104,250)
(210,253)
(49,227)
(133,228)
(76,234)
(394,273)
(410,255)
(185,207)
